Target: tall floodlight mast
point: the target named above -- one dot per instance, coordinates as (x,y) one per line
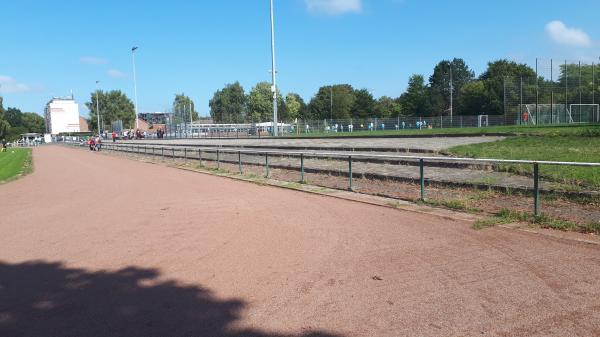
(135,87)
(273,74)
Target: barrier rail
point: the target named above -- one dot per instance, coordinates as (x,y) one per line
(536,164)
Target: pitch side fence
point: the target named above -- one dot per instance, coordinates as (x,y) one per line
(199,154)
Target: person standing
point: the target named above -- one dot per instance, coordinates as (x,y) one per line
(98,143)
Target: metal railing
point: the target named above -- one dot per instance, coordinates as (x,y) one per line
(170,152)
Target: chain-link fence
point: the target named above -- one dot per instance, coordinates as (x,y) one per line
(561,92)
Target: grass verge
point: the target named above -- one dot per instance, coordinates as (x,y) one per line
(506,216)
(548,148)
(513,130)
(454,204)
(15,163)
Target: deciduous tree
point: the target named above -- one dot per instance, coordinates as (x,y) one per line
(228,105)
(114,105)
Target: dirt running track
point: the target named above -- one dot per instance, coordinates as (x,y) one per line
(147,250)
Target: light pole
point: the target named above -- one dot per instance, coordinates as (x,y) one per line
(274,86)
(331,103)
(135,87)
(98,108)
(451,94)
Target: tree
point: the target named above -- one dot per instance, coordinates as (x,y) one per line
(333,102)
(473,98)
(416,98)
(494,77)
(182,105)
(364,104)
(386,107)
(294,107)
(4,125)
(260,103)
(34,122)
(229,104)
(13,116)
(114,105)
(439,82)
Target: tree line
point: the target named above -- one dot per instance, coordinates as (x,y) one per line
(471,95)
(14,122)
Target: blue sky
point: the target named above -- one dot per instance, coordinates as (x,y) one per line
(49,48)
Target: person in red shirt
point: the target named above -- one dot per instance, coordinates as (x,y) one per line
(114,136)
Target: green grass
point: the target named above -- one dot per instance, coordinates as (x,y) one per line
(513,130)
(14,163)
(547,147)
(453,204)
(506,216)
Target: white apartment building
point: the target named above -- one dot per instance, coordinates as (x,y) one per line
(62,115)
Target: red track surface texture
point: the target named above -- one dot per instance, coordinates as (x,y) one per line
(93,245)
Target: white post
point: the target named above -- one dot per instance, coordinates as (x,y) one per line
(135,87)
(273,72)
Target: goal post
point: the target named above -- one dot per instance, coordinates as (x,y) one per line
(584,113)
(482,121)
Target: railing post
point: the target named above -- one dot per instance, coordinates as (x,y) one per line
(302,168)
(267,165)
(422,178)
(240,161)
(152,151)
(173,153)
(162,152)
(218,161)
(185,154)
(536,189)
(200,156)
(350,173)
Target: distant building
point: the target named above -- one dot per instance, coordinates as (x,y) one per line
(62,116)
(155,117)
(83,125)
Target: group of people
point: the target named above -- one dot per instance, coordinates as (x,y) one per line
(95,143)
(160,133)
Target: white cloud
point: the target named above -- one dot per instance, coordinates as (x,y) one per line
(561,34)
(333,7)
(115,73)
(10,85)
(92,60)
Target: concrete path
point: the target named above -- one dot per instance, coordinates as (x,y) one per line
(147,250)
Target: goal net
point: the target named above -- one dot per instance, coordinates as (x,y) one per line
(584,113)
(545,113)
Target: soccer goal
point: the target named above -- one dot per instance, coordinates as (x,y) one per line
(584,113)
(482,120)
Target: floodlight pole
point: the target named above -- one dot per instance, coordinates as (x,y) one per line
(273,74)
(451,94)
(135,87)
(98,107)
(330,103)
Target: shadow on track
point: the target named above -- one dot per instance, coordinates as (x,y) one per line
(48,299)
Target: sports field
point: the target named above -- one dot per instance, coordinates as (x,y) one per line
(135,249)
(14,163)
